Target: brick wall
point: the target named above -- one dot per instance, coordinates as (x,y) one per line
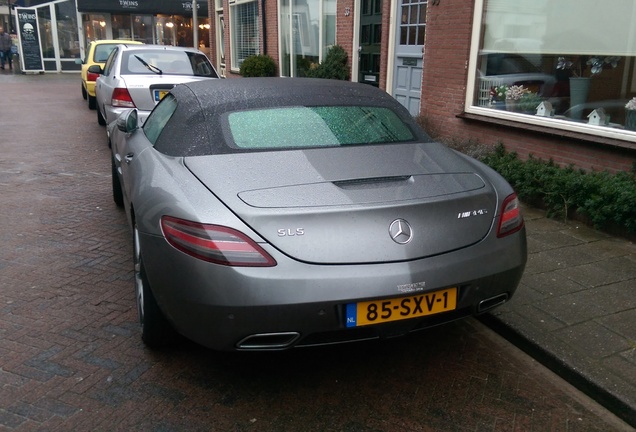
(448,38)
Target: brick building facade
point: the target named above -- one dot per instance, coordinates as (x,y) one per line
(448,102)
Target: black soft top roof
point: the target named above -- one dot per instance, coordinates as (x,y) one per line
(248,93)
(197,126)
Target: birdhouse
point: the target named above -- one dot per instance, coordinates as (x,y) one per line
(598,117)
(545,109)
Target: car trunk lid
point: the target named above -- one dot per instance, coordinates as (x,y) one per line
(146,90)
(341,205)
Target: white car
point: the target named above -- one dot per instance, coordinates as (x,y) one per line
(139,76)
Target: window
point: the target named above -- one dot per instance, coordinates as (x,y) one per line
(244,37)
(569,64)
(324,126)
(158,118)
(307,32)
(67,36)
(140,62)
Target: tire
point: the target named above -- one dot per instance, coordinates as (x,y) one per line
(118,195)
(156,331)
(92,102)
(84,94)
(100,118)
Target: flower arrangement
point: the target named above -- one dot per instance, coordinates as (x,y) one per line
(631,105)
(516,92)
(596,64)
(498,93)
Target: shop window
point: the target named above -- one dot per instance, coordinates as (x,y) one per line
(67,36)
(244,37)
(570,64)
(46,32)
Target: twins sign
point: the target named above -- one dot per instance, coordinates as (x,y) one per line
(29,38)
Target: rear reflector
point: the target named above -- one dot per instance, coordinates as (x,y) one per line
(214,243)
(510,220)
(121,98)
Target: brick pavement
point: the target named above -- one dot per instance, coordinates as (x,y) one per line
(71,357)
(575,309)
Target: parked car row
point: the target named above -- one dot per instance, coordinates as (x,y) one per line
(119,75)
(270,213)
(96,54)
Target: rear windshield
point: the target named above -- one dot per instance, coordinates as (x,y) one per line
(291,127)
(102,51)
(160,62)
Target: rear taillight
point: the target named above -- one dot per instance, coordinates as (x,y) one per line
(214,243)
(91,76)
(121,98)
(510,219)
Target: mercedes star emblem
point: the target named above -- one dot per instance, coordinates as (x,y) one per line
(400,231)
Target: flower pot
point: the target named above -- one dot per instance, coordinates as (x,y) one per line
(512,105)
(579,91)
(630,120)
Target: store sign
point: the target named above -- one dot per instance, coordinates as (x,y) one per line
(167,7)
(29,40)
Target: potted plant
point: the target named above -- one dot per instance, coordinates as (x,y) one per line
(630,115)
(580,79)
(514,94)
(529,102)
(498,96)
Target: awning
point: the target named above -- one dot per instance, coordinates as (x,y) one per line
(154,7)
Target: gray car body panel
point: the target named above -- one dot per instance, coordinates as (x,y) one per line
(344,199)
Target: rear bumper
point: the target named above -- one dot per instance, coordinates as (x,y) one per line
(299,304)
(90,88)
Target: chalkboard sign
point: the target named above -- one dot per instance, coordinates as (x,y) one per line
(29,38)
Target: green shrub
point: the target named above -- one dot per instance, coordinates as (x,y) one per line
(333,67)
(607,200)
(261,65)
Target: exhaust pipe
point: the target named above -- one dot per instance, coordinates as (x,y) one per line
(492,302)
(268,341)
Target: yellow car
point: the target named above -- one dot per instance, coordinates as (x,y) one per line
(96,53)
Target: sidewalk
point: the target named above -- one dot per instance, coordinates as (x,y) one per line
(575,310)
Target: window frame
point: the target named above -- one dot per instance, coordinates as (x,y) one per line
(234,49)
(471,97)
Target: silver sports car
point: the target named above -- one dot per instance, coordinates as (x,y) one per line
(281,212)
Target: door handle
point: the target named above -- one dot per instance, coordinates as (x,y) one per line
(129,157)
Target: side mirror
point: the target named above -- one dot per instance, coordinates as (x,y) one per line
(128,121)
(95,69)
(78,61)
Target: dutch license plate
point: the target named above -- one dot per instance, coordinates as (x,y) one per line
(159,94)
(381,311)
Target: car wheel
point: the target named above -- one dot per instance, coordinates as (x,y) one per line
(100,118)
(118,195)
(92,102)
(84,94)
(156,331)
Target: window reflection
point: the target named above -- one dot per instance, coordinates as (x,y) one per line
(540,58)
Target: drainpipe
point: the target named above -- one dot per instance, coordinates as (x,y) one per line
(264,28)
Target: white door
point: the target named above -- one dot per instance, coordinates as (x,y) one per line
(409,43)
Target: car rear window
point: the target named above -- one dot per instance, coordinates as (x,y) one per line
(102,51)
(322,126)
(140,62)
